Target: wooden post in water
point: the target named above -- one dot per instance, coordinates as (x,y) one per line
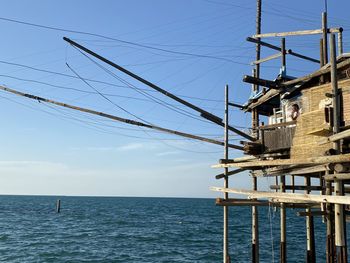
(255,227)
(255,124)
(340,235)
(310,237)
(58,206)
(283,244)
(330,226)
(226,247)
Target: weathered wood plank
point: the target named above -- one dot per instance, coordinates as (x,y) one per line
(247,202)
(337,177)
(345,200)
(313,160)
(335,137)
(274,56)
(297,33)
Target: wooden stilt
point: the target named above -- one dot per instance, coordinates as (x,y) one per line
(58,206)
(339,224)
(310,237)
(255,227)
(225,241)
(283,243)
(255,124)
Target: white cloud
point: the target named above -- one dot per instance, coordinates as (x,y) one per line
(167,153)
(130,147)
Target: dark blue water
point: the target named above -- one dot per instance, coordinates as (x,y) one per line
(91,229)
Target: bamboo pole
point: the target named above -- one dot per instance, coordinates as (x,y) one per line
(226,240)
(340,236)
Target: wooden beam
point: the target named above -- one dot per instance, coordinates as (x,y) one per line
(311,213)
(280,162)
(336,137)
(238,159)
(292,170)
(337,177)
(248,202)
(297,187)
(287,196)
(235,105)
(289,51)
(264,98)
(261,82)
(277,125)
(325,69)
(203,113)
(262,60)
(297,33)
(119,119)
(222,175)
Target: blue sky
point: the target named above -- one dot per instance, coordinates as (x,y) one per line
(50,150)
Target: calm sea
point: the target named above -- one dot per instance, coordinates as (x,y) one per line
(117,229)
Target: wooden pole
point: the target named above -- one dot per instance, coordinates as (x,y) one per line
(324,37)
(58,206)
(340,236)
(310,237)
(321,60)
(283,51)
(255,227)
(340,42)
(330,226)
(283,243)
(226,248)
(203,113)
(255,124)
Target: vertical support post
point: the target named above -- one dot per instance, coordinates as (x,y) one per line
(330,230)
(340,242)
(322,80)
(226,250)
(340,42)
(58,206)
(283,51)
(283,244)
(255,124)
(310,237)
(324,37)
(255,227)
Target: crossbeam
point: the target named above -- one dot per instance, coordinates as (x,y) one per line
(345,200)
(298,33)
(280,162)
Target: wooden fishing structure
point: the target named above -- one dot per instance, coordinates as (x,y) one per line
(307,136)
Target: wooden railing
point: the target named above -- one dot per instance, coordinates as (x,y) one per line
(277,137)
